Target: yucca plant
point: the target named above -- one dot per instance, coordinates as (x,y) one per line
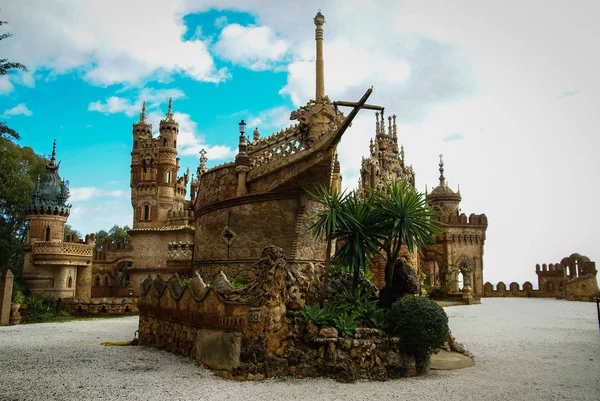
(404,218)
(359,235)
(327,221)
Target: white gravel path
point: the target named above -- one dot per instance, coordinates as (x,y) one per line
(526,349)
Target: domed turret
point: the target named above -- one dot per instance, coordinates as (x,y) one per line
(51,192)
(443,197)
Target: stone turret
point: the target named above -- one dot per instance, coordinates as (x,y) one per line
(52,265)
(443,197)
(48,211)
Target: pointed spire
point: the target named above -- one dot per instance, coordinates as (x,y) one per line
(382,124)
(170,110)
(53,158)
(458,192)
(426,190)
(402,155)
(377,123)
(390,129)
(395,133)
(442,178)
(202,167)
(143,114)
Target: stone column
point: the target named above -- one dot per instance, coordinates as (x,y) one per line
(319,21)
(242,171)
(6,286)
(83,287)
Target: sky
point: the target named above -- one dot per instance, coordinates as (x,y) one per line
(507,91)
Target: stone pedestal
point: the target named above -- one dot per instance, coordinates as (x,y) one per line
(6,286)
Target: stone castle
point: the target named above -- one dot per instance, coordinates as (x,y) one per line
(237,209)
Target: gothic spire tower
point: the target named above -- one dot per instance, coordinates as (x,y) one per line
(154,166)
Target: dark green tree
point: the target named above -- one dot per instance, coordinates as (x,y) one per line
(404,218)
(69,230)
(358,235)
(20,167)
(115,234)
(8,67)
(328,218)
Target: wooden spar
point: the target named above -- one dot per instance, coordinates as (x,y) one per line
(354,104)
(360,104)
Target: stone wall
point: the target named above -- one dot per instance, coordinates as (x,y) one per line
(103,306)
(255,331)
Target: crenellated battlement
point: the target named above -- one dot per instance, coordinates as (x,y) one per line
(475,220)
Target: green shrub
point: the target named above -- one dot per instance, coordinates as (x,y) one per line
(345,324)
(376,317)
(18,298)
(239,282)
(319,316)
(39,308)
(422,326)
(356,302)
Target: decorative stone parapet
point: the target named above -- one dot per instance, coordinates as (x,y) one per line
(62,248)
(180,250)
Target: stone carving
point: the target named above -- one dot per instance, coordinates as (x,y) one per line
(180,250)
(63,248)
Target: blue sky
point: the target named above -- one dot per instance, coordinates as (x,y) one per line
(506,91)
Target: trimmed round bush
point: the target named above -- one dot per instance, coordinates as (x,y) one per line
(422,326)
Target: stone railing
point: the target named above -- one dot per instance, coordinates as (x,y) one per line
(275,147)
(180,250)
(62,248)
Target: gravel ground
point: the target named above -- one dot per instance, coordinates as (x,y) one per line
(526,349)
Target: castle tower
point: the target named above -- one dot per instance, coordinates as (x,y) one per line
(161,214)
(443,197)
(52,266)
(155,190)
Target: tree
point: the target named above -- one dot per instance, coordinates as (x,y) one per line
(328,219)
(115,234)
(404,218)
(69,230)
(358,234)
(8,67)
(20,167)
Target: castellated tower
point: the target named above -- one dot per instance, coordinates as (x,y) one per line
(161,214)
(155,190)
(53,265)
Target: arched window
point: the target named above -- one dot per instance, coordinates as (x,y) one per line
(70,282)
(146,215)
(135,145)
(106,282)
(168,177)
(48,234)
(97,281)
(174,144)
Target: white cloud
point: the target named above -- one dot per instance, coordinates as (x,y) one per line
(19,110)
(5,85)
(87,193)
(109,42)
(189,140)
(255,47)
(152,97)
(272,119)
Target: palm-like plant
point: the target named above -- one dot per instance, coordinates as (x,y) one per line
(404,218)
(358,234)
(327,220)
